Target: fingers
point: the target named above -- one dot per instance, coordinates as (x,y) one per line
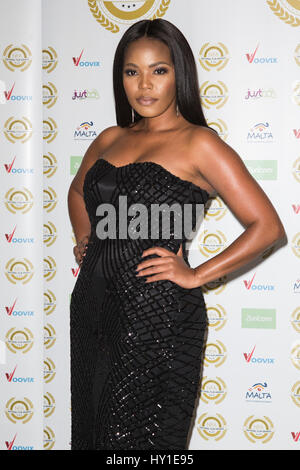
(154,268)
(179,252)
(158,250)
(80,249)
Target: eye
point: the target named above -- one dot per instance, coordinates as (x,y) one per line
(159,70)
(162,69)
(128,72)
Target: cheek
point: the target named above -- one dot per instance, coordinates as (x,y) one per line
(166,87)
(128,86)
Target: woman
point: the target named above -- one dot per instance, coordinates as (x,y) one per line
(138,316)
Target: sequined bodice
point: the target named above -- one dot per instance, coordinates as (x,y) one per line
(146,183)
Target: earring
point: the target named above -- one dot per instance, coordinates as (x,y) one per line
(177,112)
(132,115)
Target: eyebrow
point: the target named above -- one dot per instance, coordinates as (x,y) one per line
(152,65)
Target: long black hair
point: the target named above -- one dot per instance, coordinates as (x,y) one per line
(186,77)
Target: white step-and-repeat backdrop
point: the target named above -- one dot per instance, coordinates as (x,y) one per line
(56,96)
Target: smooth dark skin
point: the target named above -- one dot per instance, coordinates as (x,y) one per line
(191,152)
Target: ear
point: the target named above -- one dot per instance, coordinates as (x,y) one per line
(179,252)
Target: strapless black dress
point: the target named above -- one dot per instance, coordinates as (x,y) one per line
(136,348)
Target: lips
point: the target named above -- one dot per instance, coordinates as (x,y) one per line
(146,101)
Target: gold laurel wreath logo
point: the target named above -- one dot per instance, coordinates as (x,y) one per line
(49,336)
(49,302)
(49,370)
(161,11)
(49,438)
(19,411)
(49,404)
(282,14)
(49,164)
(114,28)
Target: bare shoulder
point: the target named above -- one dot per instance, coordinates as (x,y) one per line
(107,136)
(210,153)
(204,138)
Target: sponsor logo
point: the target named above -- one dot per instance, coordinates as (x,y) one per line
(217,317)
(75,271)
(49,438)
(251,359)
(85,131)
(216,209)
(13,312)
(10,445)
(296,208)
(49,268)
(260,133)
(296,244)
(295,393)
(50,233)
(108,13)
(49,95)
(85,95)
(84,63)
(18,200)
(259,318)
(12,378)
(49,302)
(17,58)
(49,130)
(296,436)
(253,59)
(211,427)
(259,94)
(286,10)
(296,133)
(17,170)
(18,129)
(49,336)
(49,164)
(75,162)
(211,243)
(213,56)
(50,199)
(213,390)
(217,286)
(259,393)
(295,355)
(16,98)
(19,410)
(295,319)
(213,94)
(258,429)
(49,404)
(49,59)
(262,169)
(11,238)
(49,370)
(261,287)
(215,353)
(19,270)
(18,340)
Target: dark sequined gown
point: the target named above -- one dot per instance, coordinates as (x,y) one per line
(136,348)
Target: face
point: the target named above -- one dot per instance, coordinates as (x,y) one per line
(149,77)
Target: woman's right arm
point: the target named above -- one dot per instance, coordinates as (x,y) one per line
(77,211)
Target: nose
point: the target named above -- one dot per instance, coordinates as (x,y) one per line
(145,81)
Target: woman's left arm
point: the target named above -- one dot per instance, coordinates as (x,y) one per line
(225,171)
